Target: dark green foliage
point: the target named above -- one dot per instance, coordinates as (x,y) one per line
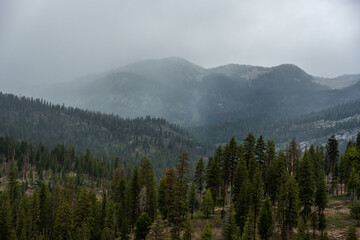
(200,178)
(147,180)
(306,185)
(332,152)
(142,226)
(5,216)
(322,223)
(193,202)
(83,215)
(275,176)
(36,120)
(355,211)
(158,228)
(303,230)
(134,197)
(314,222)
(213,176)
(288,207)
(242,205)
(208,204)
(241,176)
(188,230)
(206,234)
(249,233)
(351,234)
(266,221)
(63,223)
(230,230)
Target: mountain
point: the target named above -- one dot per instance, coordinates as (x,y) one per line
(35,121)
(189,95)
(342,120)
(338,82)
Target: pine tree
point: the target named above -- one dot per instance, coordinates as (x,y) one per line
(275,175)
(303,230)
(230,231)
(314,221)
(134,197)
(351,235)
(142,226)
(320,193)
(158,228)
(242,206)
(241,175)
(256,195)
(355,211)
(260,155)
(288,207)
(188,230)
(206,233)
(5,216)
(248,233)
(306,185)
(213,178)
(44,210)
(207,204)
(322,224)
(146,178)
(200,178)
(35,215)
(193,202)
(354,182)
(63,222)
(266,222)
(332,152)
(83,215)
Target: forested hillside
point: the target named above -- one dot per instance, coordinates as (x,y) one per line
(342,120)
(35,121)
(243,191)
(189,95)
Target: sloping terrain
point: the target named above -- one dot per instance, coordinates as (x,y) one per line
(187,94)
(37,121)
(343,121)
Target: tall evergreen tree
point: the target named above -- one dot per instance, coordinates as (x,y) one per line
(5,216)
(248,233)
(351,234)
(332,152)
(146,178)
(193,202)
(142,226)
(200,178)
(134,197)
(63,222)
(240,177)
(206,234)
(208,204)
(266,222)
(188,232)
(230,231)
(288,207)
(306,185)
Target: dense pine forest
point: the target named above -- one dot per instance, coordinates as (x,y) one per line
(254,190)
(106,135)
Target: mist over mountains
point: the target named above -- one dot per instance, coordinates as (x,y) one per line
(189,95)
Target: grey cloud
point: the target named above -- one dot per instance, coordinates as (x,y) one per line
(52,41)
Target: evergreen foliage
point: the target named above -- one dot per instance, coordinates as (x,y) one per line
(142,226)
(208,204)
(207,233)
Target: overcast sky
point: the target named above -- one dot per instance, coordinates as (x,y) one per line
(53,41)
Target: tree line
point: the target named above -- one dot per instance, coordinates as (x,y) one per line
(259,192)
